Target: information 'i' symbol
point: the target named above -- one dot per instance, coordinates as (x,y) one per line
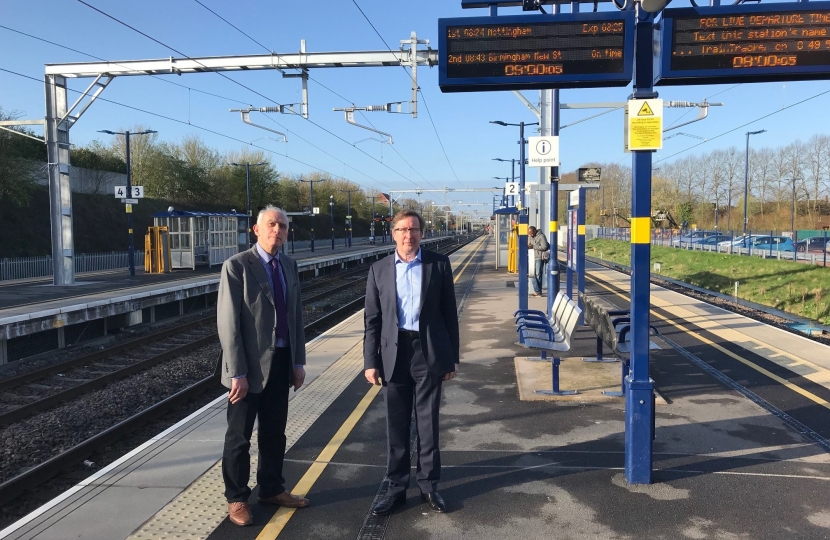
(543,147)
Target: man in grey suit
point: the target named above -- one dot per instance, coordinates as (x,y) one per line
(411,345)
(260,322)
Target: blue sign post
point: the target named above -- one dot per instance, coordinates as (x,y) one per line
(576,245)
(639,387)
(580,251)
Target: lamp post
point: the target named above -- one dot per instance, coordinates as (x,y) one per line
(331,213)
(504,195)
(523,217)
(349,216)
(512,167)
(746,173)
(792,215)
(131,247)
(311,195)
(248,192)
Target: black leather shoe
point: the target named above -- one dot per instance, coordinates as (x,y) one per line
(435,501)
(387,504)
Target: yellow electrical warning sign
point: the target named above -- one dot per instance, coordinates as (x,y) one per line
(643,125)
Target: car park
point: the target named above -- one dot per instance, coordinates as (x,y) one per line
(759,242)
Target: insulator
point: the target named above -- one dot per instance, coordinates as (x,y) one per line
(375,108)
(271,109)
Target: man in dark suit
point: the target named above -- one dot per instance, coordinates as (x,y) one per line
(260,321)
(411,345)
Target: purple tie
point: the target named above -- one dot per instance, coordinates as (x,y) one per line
(279,301)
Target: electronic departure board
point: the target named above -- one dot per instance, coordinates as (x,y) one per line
(577,50)
(746,43)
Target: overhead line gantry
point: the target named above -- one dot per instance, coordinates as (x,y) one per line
(60,117)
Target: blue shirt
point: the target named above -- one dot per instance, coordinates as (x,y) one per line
(266,257)
(408,277)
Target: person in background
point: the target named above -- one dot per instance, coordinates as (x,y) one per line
(260,321)
(411,345)
(536,240)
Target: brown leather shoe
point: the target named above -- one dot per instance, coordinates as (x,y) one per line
(240,513)
(285,499)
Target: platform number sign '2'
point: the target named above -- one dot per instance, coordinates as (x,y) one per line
(511,188)
(136,192)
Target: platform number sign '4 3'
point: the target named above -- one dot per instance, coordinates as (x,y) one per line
(136,192)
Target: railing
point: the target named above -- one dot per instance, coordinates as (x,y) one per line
(731,243)
(41,266)
(35,267)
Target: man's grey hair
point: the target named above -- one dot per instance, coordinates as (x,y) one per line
(270,208)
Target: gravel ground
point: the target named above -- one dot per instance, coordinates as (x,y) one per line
(19,367)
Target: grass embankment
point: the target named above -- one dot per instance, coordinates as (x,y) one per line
(796,288)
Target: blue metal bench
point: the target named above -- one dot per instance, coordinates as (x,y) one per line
(612,326)
(552,335)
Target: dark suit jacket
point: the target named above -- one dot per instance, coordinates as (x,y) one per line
(438,323)
(247,319)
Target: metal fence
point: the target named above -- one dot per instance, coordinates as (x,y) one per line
(812,247)
(35,267)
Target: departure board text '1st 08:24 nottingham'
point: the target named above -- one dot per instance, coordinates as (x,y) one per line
(569,51)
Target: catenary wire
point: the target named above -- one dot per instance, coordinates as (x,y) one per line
(235,82)
(423,97)
(194,89)
(745,124)
(214,132)
(317,82)
(111,62)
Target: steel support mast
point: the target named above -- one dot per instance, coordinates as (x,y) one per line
(60,117)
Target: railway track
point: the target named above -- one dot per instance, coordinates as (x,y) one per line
(51,467)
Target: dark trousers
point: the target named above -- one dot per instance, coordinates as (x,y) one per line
(271,407)
(538,274)
(412,384)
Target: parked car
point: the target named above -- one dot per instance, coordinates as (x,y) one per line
(760,242)
(773,243)
(739,241)
(812,244)
(692,237)
(710,240)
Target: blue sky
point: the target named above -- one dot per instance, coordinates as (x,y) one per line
(461,120)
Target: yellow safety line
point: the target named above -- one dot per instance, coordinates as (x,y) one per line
(767,346)
(468,262)
(278,521)
(794,387)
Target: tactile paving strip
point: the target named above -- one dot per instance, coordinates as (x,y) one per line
(197,511)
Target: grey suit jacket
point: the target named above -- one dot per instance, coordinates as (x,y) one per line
(247,319)
(438,322)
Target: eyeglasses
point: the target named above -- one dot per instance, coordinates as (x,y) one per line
(414,230)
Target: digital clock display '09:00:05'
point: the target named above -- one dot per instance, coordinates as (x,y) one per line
(746,43)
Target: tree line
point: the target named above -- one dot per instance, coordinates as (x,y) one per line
(708,189)
(193,174)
